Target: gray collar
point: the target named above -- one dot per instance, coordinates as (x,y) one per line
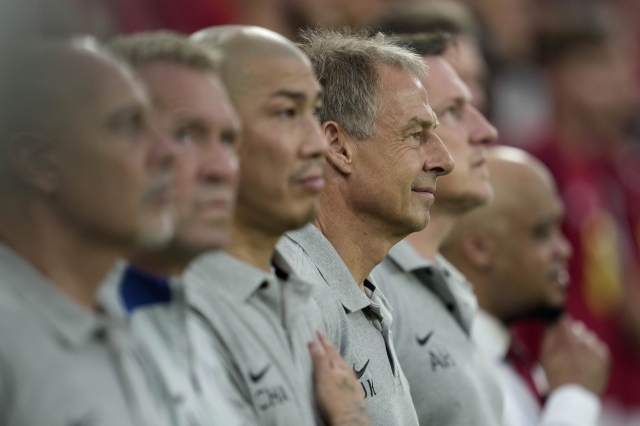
(72,322)
(407,258)
(332,268)
(241,280)
(442,279)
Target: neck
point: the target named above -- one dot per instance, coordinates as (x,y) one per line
(361,244)
(165,263)
(429,241)
(252,245)
(73,262)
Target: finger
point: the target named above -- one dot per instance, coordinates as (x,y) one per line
(318,357)
(332,352)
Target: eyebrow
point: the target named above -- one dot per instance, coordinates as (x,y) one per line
(424,123)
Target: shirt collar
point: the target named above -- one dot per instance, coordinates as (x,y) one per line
(407,258)
(492,336)
(331,267)
(128,288)
(71,321)
(443,279)
(239,279)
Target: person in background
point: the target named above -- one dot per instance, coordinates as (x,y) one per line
(452,382)
(514,253)
(191,108)
(596,170)
(455,19)
(84,179)
(382,166)
(247,302)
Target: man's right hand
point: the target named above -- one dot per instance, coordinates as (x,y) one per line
(571,354)
(338,393)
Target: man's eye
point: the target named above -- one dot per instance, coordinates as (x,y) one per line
(289,112)
(229,138)
(454,111)
(416,135)
(183,135)
(543,233)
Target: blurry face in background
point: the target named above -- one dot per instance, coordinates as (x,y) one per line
(192,109)
(283,151)
(465,132)
(597,85)
(529,265)
(466,59)
(115,169)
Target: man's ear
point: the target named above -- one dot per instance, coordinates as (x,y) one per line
(340,153)
(34,162)
(479,249)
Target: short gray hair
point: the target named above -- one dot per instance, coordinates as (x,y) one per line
(345,64)
(143,48)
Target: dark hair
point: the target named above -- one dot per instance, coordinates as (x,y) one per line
(555,46)
(427,44)
(429,18)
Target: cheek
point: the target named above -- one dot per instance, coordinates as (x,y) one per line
(185,173)
(265,166)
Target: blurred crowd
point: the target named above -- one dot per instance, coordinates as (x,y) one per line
(559,79)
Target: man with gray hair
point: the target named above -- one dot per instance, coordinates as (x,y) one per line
(193,111)
(452,382)
(383,163)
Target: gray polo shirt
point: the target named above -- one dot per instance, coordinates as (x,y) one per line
(452,382)
(358,324)
(157,310)
(62,365)
(261,324)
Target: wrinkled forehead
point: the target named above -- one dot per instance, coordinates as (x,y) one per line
(401,92)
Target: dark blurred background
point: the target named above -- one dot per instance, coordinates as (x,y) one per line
(559,78)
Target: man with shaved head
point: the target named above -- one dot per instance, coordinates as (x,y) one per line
(84,179)
(515,254)
(247,302)
(383,163)
(452,383)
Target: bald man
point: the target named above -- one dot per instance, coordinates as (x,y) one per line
(249,304)
(83,180)
(515,254)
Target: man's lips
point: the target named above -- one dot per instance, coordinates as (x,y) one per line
(426,192)
(312,182)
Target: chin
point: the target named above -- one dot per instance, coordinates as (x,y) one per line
(156,233)
(301,220)
(414,224)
